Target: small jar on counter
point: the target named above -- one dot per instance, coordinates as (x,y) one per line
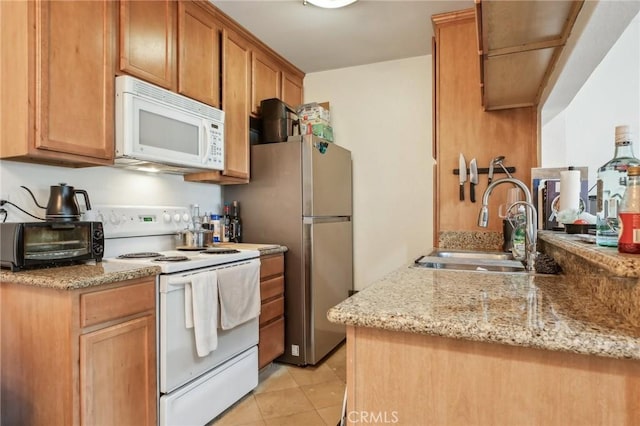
(629,214)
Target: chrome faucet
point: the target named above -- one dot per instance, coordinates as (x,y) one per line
(530,212)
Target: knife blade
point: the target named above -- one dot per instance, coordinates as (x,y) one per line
(473,178)
(462,165)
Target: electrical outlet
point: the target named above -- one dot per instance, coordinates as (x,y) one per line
(295,350)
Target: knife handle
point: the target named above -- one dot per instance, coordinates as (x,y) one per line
(472,192)
(462,192)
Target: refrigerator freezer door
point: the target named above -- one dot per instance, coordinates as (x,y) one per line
(326,179)
(329,276)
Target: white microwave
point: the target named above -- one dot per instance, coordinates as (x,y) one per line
(158,130)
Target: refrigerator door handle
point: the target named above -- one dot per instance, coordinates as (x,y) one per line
(325,219)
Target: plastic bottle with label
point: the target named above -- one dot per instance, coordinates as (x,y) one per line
(629,212)
(611,184)
(217,228)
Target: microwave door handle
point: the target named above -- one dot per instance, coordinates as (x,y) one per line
(205,141)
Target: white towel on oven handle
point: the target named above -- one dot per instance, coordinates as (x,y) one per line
(201,310)
(239,293)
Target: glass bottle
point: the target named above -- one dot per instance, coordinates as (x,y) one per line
(235,234)
(226,224)
(611,184)
(629,240)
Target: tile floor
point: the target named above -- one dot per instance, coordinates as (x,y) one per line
(289,395)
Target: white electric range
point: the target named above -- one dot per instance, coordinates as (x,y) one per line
(192,389)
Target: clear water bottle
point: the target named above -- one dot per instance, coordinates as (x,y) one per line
(611,184)
(629,239)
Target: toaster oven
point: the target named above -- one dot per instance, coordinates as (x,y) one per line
(26,245)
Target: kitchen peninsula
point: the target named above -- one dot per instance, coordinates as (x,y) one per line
(494,348)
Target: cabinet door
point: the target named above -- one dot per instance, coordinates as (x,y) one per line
(74,72)
(118,374)
(265,79)
(199,47)
(291,89)
(235,103)
(148,39)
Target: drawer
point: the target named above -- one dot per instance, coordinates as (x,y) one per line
(108,305)
(271,310)
(271,265)
(271,288)
(271,343)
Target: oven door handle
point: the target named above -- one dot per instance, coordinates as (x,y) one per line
(183,280)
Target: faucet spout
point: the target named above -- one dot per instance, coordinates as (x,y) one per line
(531,217)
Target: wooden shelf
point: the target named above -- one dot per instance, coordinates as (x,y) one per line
(518,45)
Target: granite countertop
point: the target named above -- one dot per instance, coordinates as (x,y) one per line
(607,259)
(264,249)
(79,276)
(539,311)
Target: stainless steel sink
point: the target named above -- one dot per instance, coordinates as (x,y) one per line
(466,260)
(470,254)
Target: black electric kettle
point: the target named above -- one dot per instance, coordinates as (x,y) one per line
(62,205)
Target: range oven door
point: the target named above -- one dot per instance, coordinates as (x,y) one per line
(179,362)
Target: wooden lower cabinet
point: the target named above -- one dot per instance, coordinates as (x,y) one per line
(79,357)
(416,379)
(271,342)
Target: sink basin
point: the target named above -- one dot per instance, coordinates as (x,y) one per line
(465,260)
(469,254)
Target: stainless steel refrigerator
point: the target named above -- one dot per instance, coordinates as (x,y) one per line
(300,196)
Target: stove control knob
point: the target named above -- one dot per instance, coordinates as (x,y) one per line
(185,217)
(167,217)
(114,219)
(176,217)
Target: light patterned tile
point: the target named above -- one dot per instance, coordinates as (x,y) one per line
(308,418)
(244,412)
(275,377)
(282,403)
(337,362)
(331,415)
(325,394)
(312,374)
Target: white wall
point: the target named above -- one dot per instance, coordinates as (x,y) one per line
(382,113)
(105,185)
(583,134)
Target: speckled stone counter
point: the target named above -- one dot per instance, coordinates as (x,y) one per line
(611,277)
(264,249)
(79,276)
(598,259)
(536,311)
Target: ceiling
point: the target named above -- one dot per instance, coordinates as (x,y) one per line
(365,32)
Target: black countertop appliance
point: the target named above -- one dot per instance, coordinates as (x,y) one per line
(279,121)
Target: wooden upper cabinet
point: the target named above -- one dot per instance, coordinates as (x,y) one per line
(148,40)
(236,88)
(199,54)
(236,82)
(291,89)
(57,68)
(519,44)
(266,77)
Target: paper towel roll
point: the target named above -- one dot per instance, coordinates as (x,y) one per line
(569,190)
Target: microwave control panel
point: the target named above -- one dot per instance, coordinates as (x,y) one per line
(215,150)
